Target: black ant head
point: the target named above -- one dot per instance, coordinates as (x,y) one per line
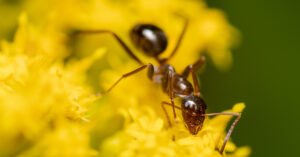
(193,108)
(149,38)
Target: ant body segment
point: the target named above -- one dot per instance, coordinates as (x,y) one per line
(153,41)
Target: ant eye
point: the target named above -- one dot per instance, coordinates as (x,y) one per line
(149,38)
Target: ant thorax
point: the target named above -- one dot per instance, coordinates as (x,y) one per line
(160,73)
(180,85)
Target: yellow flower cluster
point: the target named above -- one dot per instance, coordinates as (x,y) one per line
(39,113)
(45,107)
(145,135)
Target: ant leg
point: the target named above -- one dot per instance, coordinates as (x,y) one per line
(179,39)
(192,69)
(238,117)
(165,111)
(171,92)
(127,75)
(166,103)
(121,42)
(197,65)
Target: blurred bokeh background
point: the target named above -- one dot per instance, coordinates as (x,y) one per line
(264,74)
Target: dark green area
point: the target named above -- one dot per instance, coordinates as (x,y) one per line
(265,75)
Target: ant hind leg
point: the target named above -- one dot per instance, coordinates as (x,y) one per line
(119,40)
(179,40)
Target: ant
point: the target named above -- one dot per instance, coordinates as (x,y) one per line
(152,41)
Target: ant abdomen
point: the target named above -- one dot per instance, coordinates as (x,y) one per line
(149,38)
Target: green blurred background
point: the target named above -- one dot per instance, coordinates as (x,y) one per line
(265,75)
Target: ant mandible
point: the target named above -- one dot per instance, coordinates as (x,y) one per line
(153,41)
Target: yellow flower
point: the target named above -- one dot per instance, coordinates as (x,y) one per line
(209,30)
(146,131)
(45,107)
(39,114)
(145,135)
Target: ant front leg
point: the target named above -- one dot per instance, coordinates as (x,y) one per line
(150,66)
(192,69)
(238,117)
(120,41)
(171,91)
(165,111)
